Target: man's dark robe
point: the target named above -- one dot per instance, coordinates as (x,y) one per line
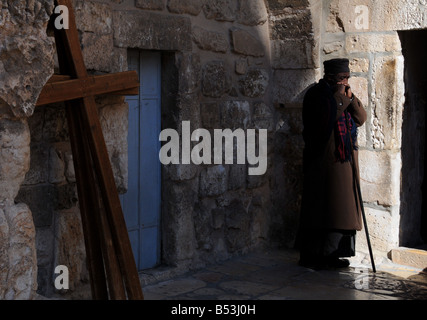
(330,202)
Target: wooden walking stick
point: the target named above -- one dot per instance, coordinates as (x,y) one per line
(359,194)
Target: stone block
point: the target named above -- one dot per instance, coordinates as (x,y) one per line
(381,224)
(189,71)
(181,172)
(254,83)
(409,257)
(150,4)
(213,181)
(21,278)
(70,249)
(359,86)
(238,223)
(380,177)
(235,114)
(210,40)
(237,176)
(97,51)
(14,155)
(291,24)
(216,79)
(252,12)
(210,114)
(56,170)
(246,43)
(290,86)
(113,116)
(333,47)
(149,30)
(370,15)
(387,102)
(221,10)
(93,17)
(373,43)
(193,7)
(241,66)
(359,65)
(38,172)
(41,199)
(262,117)
(292,54)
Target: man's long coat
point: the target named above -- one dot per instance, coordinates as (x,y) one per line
(330,198)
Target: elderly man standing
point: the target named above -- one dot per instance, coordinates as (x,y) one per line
(330,213)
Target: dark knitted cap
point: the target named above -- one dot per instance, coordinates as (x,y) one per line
(335,66)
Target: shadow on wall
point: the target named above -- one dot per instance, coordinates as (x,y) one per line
(413,223)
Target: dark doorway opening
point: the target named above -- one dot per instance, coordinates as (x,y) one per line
(413,224)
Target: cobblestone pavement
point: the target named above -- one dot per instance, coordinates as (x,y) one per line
(275,275)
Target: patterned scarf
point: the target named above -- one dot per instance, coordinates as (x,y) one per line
(342,138)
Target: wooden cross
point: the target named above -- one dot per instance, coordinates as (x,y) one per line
(111,264)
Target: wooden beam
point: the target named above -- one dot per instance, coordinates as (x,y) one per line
(104,173)
(61,88)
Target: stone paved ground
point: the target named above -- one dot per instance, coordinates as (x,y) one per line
(275,275)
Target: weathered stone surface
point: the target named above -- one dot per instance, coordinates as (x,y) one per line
(292,54)
(150,30)
(359,86)
(221,10)
(378,15)
(281,6)
(333,47)
(409,257)
(246,43)
(359,65)
(210,115)
(235,114)
(387,102)
(210,40)
(262,117)
(189,67)
(380,225)
(70,252)
(380,175)
(216,79)
(255,83)
(19,274)
(92,45)
(193,7)
(213,181)
(26,54)
(237,221)
(291,23)
(291,85)
(113,117)
(93,17)
(241,66)
(178,207)
(252,12)
(14,155)
(372,43)
(150,4)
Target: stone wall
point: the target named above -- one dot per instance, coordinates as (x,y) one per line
(216,74)
(26,62)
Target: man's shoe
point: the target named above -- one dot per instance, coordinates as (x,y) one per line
(338,263)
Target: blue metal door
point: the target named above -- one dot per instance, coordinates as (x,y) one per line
(141,203)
